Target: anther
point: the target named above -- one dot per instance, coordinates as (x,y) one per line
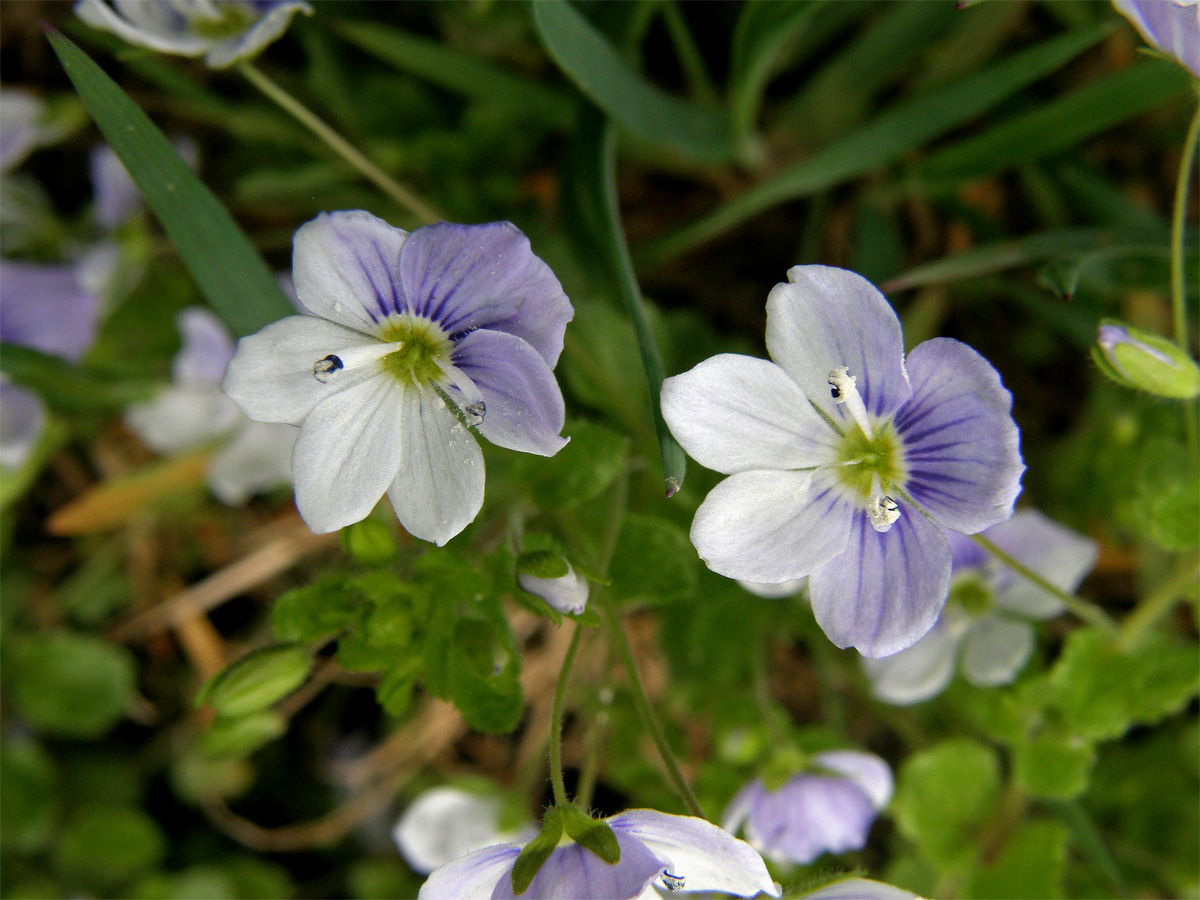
(882,510)
(325,367)
(843,388)
(673,882)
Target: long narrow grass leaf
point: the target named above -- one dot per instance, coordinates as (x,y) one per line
(228,270)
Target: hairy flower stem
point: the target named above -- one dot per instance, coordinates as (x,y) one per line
(612,622)
(1089,612)
(403,197)
(556,720)
(1178,286)
(1156,605)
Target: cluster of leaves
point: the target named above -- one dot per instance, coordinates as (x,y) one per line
(984,166)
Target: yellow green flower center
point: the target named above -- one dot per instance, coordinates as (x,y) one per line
(234,19)
(972,594)
(861,460)
(424,352)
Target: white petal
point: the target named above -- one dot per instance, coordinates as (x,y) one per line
(258,458)
(859,889)
(918,673)
(445,823)
(866,770)
(471,877)
(735,413)
(703,855)
(207,347)
(182,416)
(770,526)
(439,489)
(996,650)
(1056,553)
(776,591)
(348,452)
(152,32)
(271,375)
(567,594)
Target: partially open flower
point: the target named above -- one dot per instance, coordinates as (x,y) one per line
(447,822)
(222,31)
(828,808)
(1173,26)
(1145,361)
(842,456)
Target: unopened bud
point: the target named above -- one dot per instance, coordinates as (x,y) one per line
(550,577)
(257,680)
(1148,362)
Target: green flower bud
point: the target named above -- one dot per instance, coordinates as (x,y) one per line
(1145,361)
(257,680)
(371,542)
(241,735)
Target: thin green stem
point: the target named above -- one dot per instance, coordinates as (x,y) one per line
(1156,605)
(1085,610)
(556,720)
(617,634)
(1178,284)
(691,60)
(400,194)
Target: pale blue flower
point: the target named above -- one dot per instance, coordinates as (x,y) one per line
(985,628)
(661,855)
(1173,26)
(222,31)
(828,808)
(251,456)
(446,822)
(842,456)
(414,342)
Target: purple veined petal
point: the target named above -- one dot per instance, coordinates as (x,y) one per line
(1055,552)
(466,277)
(574,872)
(182,416)
(771,526)
(739,807)
(346,268)
(271,374)
(1172,26)
(524,403)
(22,420)
(20,111)
(446,823)
(996,650)
(867,770)
(859,889)
(258,458)
(697,853)
(824,317)
(472,877)
(269,27)
(965,554)
(207,348)
(808,816)
(567,594)
(348,452)
(439,488)
(961,444)
(736,413)
(156,25)
(886,590)
(45,307)
(918,672)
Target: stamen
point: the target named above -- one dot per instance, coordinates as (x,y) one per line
(327,368)
(673,882)
(842,389)
(473,406)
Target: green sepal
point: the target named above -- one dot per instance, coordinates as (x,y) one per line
(256,680)
(594,834)
(542,564)
(537,851)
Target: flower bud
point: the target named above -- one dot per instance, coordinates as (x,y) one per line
(371,542)
(257,680)
(1148,362)
(550,577)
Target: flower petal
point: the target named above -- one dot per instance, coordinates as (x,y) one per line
(445,823)
(1173,27)
(207,348)
(257,459)
(524,403)
(1055,552)
(735,413)
(867,770)
(269,26)
(46,307)
(22,418)
(439,488)
(996,650)
(466,277)
(916,673)
(887,589)
(808,816)
(182,416)
(859,889)
(961,444)
(348,451)
(567,594)
(825,317)
(271,375)
(472,877)
(346,268)
(704,856)
(157,26)
(770,527)
(574,872)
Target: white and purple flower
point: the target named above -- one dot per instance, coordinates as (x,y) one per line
(660,853)
(844,457)
(222,31)
(253,456)
(985,627)
(566,593)
(1173,26)
(828,808)
(446,822)
(413,342)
